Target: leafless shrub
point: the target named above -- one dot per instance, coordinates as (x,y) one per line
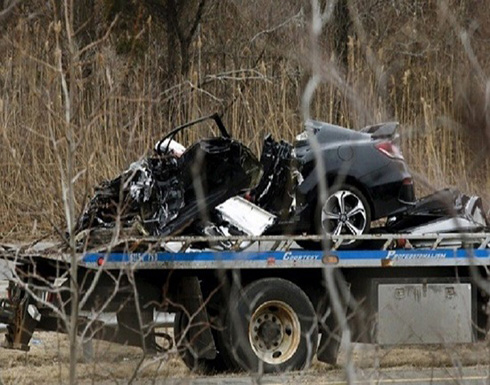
(74,109)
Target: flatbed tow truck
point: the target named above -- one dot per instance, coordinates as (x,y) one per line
(260,304)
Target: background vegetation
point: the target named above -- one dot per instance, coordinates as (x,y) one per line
(131,70)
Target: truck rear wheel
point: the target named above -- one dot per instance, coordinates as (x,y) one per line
(273,327)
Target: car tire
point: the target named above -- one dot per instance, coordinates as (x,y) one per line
(346,211)
(273,327)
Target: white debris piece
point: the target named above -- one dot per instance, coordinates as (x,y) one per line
(170,146)
(246,216)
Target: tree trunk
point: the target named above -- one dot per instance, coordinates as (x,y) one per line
(342,26)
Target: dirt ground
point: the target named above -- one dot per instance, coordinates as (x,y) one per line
(47,361)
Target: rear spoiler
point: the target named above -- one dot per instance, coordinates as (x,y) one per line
(381,130)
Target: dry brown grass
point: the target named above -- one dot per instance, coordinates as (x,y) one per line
(428,356)
(47,361)
(121,108)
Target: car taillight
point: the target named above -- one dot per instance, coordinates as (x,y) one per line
(389,149)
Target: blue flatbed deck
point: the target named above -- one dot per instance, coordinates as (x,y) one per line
(281,252)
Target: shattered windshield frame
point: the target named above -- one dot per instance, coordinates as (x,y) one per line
(162,147)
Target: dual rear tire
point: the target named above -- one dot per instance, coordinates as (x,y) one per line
(271,326)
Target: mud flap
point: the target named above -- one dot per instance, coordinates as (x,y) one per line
(134,330)
(199,331)
(328,350)
(135,319)
(331,332)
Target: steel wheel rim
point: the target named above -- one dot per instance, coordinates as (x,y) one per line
(274,332)
(344,213)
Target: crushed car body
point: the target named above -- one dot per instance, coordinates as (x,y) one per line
(218,187)
(445,211)
(166,193)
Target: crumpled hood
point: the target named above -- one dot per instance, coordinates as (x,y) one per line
(167,193)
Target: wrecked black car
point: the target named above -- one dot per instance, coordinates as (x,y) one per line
(218,187)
